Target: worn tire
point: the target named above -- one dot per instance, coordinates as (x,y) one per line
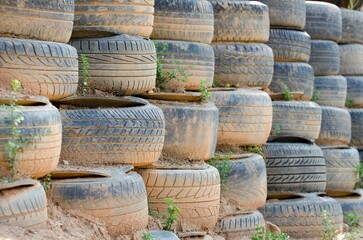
(43,20)
(331,90)
(115,63)
(323,21)
(286,13)
(186,20)
(196,58)
(196,192)
(289,45)
(354,90)
(301,218)
(298,77)
(191,129)
(357,127)
(325,57)
(119,200)
(240,21)
(43,68)
(352,204)
(351,56)
(243,64)
(352,26)
(245,116)
(335,127)
(115,133)
(42,126)
(107,18)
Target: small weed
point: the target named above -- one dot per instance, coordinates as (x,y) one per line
(204,90)
(359,175)
(262,234)
(216,83)
(147,236)
(222,165)
(170,218)
(276,130)
(353,220)
(253,149)
(46,182)
(337,234)
(286,91)
(348,103)
(83,86)
(329,231)
(228,85)
(316,95)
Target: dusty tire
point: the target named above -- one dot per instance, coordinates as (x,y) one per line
(351,56)
(341,170)
(196,58)
(43,68)
(286,14)
(191,130)
(298,77)
(43,20)
(115,63)
(196,192)
(289,45)
(335,127)
(301,218)
(298,119)
(243,64)
(352,204)
(354,90)
(325,57)
(42,126)
(186,20)
(107,18)
(357,127)
(352,26)
(119,199)
(113,133)
(323,21)
(240,21)
(245,116)
(331,90)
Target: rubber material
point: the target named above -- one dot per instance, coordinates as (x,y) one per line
(325,57)
(331,90)
(352,204)
(354,90)
(351,55)
(357,127)
(352,26)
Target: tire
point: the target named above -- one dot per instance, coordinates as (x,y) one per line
(301,218)
(351,55)
(115,63)
(352,204)
(352,26)
(197,59)
(43,68)
(357,127)
(252,24)
(354,90)
(294,168)
(43,128)
(289,45)
(243,64)
(112,131)
(325,57)
(286,14)
(119,200)
(23,204)
(186,20)
(331,90)
(298,119)
(360,154)
(43,20)
(335,127)
(196,192)
(191,129)
(341,170)
(298,77)
(99,19)
(323,21)
(245,116)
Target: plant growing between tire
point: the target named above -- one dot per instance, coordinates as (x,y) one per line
(330,233)
(204,90)
(262,234)
(286,91)
(222,165)
(170,218)
(359,175)
(46,182)
(316,95)
(83,86)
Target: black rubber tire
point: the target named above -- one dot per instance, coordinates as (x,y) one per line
(351,57)
(240,21)
(43,20)
(286,13)
(245,116)
(325,57)
(354,90)
(352,26)
(191,130)
(115,63)
(360,154)
(301,218)
(243,64)
(43,68)
(357,127)
(106,18)
(335,127)
(196,58)
(289,45)
(298,77)
(23,204)
(115,133)
(331,90)
(323,21)
(352,204)
(183,20)
(299,119)
(119,200)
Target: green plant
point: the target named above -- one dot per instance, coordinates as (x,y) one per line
(348,103)
(46,182)
(147,236)
(262,234)
(359,169)
(222,165)
(228,85)
(204,90)
(286,91)
(276,130)
(316,95)
(83,86)
(329,232)
(216,83)
(337,234)
(170,218)
(353,220)
(353,4)
(253,149)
